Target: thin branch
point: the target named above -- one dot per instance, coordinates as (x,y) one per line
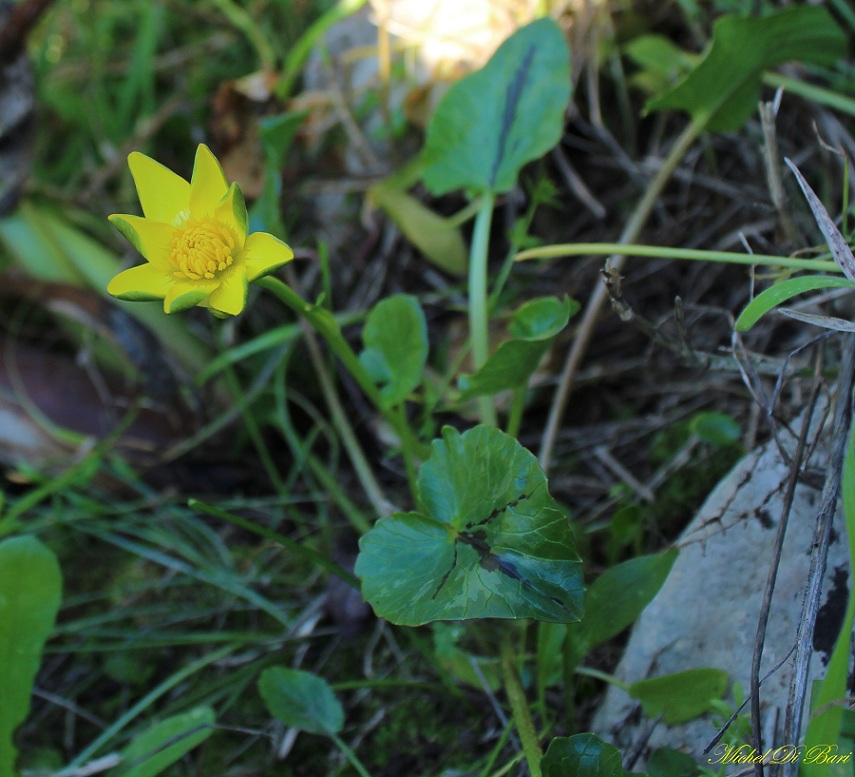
(822,536)
(585,330)
(763,621)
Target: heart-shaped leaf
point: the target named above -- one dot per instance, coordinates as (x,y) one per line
(396,346)
(723,90)
(492,543)
(301,700)
(533,327)
(30,595)
(582,755)
(490,123)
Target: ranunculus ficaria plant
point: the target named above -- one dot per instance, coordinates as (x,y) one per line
(194,239)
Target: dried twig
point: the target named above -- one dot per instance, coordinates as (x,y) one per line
(822,537)
(585,330)
(763,621)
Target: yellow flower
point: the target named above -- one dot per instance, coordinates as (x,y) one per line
(194,238)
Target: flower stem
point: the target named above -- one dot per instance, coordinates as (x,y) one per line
(327,327)
(409,455)
(350,755)
(517,410)
(478,310)
(519,706)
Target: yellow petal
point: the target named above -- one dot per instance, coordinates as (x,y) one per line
(263,253)
(163,194)
(186,294)
(208,185)
(230,295)
(140,283)
(231,212)
(151,238)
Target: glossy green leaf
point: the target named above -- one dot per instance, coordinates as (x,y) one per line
(582,755)
(436,237)
(154,751)
(681,696)
(618,596)
(716,428)
(533,327)
(30,595)
(396,346)
(723,90)
(781,292)
(301,700)
(492,542)
(542,318)
(490,123)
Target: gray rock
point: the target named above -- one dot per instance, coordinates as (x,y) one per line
(707,612)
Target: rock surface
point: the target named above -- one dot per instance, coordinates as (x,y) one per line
(707,612)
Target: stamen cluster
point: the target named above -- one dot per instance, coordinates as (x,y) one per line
(201,249)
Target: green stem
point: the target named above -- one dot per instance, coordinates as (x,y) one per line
(686,254)
(464,214)
(516,414)
(333,487)
(351,444)
(350,755)
(519,707)
(304,457)
(479,314)
(827,97)
(327,327)
(408,454)
(254,433)
(518,233)
(604,676)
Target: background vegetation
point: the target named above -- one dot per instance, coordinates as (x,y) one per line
(172,606)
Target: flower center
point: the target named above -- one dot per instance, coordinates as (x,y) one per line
(201,249)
